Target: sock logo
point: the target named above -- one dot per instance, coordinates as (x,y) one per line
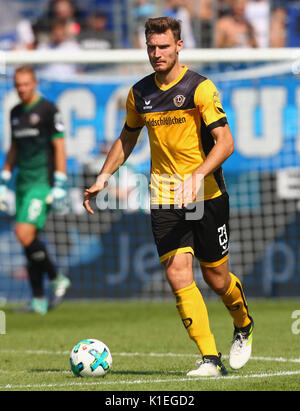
(38,256)
(187,322)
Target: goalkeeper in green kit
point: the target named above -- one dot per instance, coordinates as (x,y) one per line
(38,151)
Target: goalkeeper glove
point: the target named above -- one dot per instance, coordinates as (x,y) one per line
(5,177)
(57,197)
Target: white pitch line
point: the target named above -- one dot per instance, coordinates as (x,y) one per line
(276,359)
(151,354)
(40,371)
(149,381)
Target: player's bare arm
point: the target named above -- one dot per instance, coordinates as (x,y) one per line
(11,156)
(5,175)
(117,156)
(223,148)
(59,155)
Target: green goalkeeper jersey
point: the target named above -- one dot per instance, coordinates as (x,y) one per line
(32,129)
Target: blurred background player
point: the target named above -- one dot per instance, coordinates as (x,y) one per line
(37,149)
(234,29)
(59,40)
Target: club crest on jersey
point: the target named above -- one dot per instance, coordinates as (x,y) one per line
(179,100)
(34,119)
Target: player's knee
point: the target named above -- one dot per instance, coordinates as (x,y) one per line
(218,280)
(25,237)
(179,277)
(219,288)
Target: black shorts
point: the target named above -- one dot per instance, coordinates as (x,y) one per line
(206,238)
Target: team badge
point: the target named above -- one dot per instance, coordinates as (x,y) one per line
(34,119)
(179,100)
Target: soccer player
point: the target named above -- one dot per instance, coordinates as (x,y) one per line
(37,150)
(189,139)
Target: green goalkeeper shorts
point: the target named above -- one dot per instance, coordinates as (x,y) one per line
(31,206)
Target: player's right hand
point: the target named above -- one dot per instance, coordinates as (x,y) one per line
(3,198)
(91,193)
(5,177)
(58,196)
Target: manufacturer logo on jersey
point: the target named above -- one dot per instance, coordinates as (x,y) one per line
(147,105)
(179,100)
(34,119)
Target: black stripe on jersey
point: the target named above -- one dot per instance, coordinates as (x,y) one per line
(219,123)
(149,98)
(207,144)
(126,126)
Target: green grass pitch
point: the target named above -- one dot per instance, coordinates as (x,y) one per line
(150,347)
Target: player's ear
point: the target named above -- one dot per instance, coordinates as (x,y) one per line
(179,46)
(35,81)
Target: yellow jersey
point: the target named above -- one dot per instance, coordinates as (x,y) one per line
(179,118)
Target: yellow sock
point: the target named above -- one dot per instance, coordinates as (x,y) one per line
(193,312)
(235,301)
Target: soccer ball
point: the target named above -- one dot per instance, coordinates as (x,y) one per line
(90,358)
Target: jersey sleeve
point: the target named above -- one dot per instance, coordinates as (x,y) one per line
(12,119)
(11,114)
(207,100)
(133,119)
(56,125)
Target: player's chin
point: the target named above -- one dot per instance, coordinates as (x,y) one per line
(161,67)
(23,97)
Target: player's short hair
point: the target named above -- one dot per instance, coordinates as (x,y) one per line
(160,25)
(26,69)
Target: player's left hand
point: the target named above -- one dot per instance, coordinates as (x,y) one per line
(92,192)
(57,197)
(189,190)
